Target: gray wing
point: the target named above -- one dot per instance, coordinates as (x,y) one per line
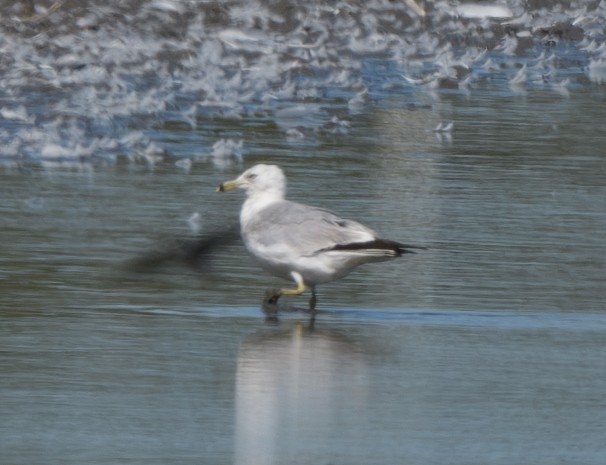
(304,228)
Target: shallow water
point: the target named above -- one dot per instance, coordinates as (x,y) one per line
(488,348)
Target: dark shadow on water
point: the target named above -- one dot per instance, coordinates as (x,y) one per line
(192,252)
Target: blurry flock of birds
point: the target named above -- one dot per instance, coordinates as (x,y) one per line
(87,82)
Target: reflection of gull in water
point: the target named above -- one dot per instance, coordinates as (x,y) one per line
(294,386)
(294,241)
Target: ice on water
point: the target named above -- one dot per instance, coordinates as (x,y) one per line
(82,74)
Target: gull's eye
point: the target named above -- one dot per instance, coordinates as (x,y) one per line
(251,176)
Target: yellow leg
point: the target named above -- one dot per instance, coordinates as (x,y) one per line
(300,285)
(272,295)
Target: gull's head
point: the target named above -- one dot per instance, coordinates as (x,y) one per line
(260,179)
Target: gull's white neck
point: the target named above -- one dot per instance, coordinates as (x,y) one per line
(257,201)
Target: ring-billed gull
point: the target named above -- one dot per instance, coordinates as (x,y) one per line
(306,244)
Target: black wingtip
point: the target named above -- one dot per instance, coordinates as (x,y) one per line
(381,244)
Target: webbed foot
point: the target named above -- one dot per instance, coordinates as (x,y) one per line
(272,296)
(270,301)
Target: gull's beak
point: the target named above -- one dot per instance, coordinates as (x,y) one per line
(227,186)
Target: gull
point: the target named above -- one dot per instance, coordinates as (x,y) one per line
(302,243)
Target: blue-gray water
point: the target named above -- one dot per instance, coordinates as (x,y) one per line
(119,121)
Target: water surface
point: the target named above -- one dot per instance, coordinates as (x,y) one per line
(487,348)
